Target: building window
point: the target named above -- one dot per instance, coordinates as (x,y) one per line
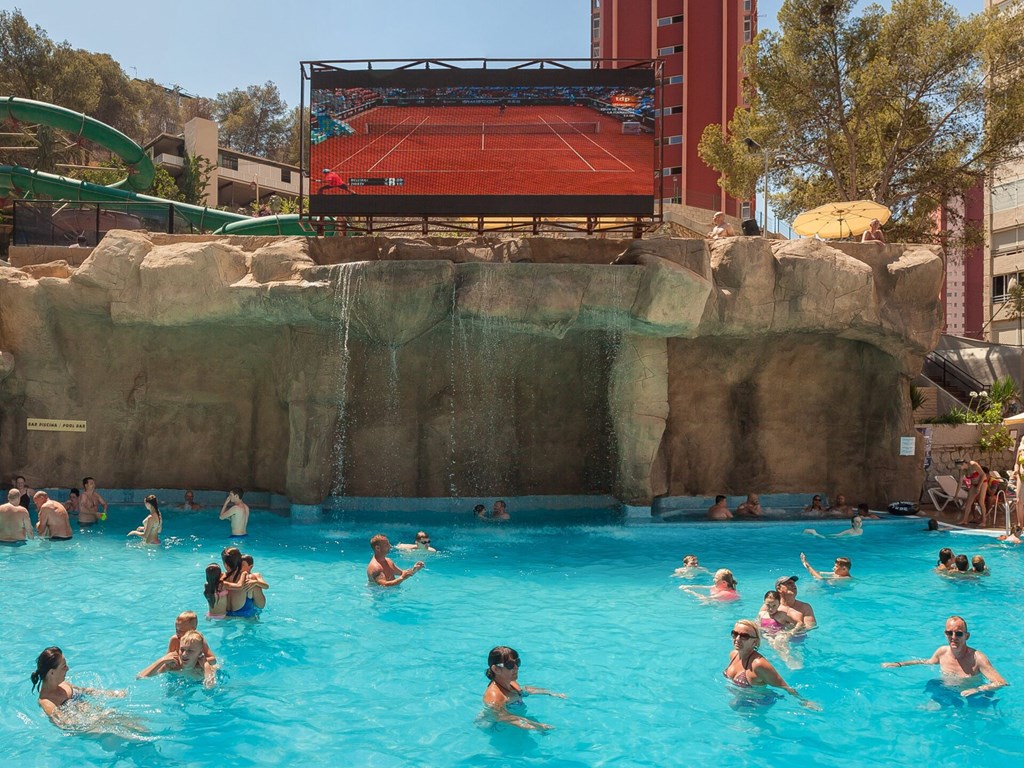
(745,210)
(670,50)
(1008,240)
(1001,286)
(673,139)
(746,6)
(674,80)
(672,110)
(228,161)
(286,176)
(747,27)
(1009,195)
(664,21)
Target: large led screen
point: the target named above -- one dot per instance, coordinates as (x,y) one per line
(482,142)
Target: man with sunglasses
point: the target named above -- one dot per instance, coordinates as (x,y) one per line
(957,659)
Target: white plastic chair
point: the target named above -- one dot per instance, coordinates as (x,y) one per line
(948,491)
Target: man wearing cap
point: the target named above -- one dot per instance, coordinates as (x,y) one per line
(332,181)
(786,587)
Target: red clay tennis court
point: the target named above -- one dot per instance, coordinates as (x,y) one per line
(482,150)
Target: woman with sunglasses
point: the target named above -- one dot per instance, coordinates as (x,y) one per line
(422,544)
(748,669)
(504,690)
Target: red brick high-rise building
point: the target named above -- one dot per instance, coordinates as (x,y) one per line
(700,42)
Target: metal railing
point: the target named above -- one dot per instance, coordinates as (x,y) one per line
(58,222)
(952,377)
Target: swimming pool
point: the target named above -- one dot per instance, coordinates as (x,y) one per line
(337,672)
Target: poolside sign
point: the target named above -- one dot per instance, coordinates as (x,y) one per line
(56,425)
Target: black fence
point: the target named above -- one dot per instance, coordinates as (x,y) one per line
(57,222)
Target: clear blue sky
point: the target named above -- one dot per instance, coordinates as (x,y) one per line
(211,46)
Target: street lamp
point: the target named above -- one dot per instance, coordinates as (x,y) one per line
(753,146)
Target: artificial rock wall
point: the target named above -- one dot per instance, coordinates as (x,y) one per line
(387,367)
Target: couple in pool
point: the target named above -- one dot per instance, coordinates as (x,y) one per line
(235,591)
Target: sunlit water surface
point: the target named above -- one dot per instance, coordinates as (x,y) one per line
(337,672)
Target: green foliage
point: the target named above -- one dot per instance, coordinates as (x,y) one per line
(900,107)
(1003,391)
(254,121)
(995,438)
(195,173)
(916,397)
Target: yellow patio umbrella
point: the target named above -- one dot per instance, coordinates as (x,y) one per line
(835,220)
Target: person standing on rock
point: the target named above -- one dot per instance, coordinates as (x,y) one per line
(720,227)
(237,511)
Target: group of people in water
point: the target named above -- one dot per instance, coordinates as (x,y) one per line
(784,619)
(233,589)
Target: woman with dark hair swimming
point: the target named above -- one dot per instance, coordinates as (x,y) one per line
(56,693)
(504,690)
(151,527)
(215,594)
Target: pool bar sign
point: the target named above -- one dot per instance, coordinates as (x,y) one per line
(56,425)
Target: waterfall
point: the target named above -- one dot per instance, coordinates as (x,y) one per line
(346,278)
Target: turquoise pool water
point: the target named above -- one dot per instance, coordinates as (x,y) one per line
(340,673)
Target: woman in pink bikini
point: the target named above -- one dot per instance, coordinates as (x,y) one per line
(747,668)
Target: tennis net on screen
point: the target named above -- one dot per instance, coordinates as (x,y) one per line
(492,129)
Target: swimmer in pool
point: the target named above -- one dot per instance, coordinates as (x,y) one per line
(422,544)
(787,589)
(53,522)
(504,690)
(15,523)
(773,619)
(855,529)
(382,570)
(56,695)
(841,569)
(89,503)
(691,567)
(959,661)
(747,668)
(216,595)
(186,622)
(189,661)
(71,505)
(240,602)
(237,511)
(153,523)
(254,582)
(724,587)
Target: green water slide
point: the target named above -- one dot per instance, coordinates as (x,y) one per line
(17,181)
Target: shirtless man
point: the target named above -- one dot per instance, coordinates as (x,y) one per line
(841,508)
(382,569)
(190,501)
(841,569)
(500,511)
(53,523)
(786,587)
(957,659)
(720,227)
(189,661)
(752,506)
(719,510)
(237,511)
(15,524)
(90,503)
